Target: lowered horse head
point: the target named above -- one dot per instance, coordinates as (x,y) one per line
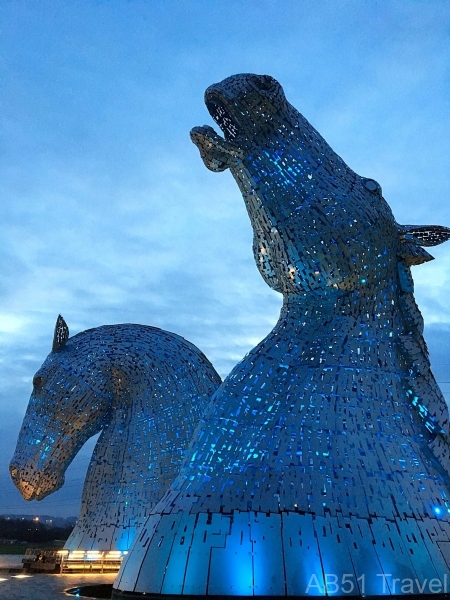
(70,402)
(145,389)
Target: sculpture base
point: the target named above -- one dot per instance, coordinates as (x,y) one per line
(101,590)
(286,555)
(117,595)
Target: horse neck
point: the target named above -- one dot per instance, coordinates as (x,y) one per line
(130,408)
(130,382)
(352,328)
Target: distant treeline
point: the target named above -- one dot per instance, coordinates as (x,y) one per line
(32,531)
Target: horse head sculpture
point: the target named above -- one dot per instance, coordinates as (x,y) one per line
(317,224)
(319,228)
(145,389)
(321,465)
(66,391)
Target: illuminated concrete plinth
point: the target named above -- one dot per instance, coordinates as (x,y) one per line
(145,389)
(322,462)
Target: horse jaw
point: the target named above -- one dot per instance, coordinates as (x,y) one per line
(36,487)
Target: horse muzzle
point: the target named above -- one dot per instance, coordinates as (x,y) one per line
(34,485)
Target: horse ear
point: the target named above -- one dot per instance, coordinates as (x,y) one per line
(414,237)
(61,334)
(427,235)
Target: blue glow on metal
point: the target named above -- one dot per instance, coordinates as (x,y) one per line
(338,401)
(328,442)
(145,389)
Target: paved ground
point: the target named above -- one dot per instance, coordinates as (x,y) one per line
(10,560)
(42,587)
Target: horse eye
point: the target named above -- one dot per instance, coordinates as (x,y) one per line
(38,382)
(373,186)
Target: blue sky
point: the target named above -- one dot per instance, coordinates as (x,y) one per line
(108,214)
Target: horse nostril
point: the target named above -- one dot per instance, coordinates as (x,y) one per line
(15,474)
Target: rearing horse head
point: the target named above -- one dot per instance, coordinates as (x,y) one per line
(318,226)
(58,414)
(323,234)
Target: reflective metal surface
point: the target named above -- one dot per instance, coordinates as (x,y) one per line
(322,463)
(145,389)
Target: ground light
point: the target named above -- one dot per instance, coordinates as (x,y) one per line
(88,561)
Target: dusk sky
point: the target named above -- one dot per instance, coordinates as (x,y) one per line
(108,213)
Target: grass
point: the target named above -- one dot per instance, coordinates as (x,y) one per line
(12,549)
(20,548)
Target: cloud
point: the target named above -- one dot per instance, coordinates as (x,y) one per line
(109,214)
